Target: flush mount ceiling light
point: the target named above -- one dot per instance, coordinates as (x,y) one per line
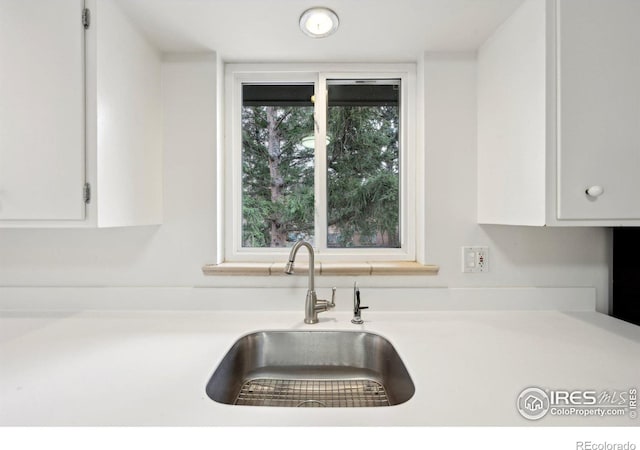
(319,22)
(309,142)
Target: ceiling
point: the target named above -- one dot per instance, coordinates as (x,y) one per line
(370,30)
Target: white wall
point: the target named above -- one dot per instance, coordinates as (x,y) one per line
(173,253)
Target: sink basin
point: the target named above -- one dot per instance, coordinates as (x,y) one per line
(311,369)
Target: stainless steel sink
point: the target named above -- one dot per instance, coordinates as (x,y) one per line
(311,369)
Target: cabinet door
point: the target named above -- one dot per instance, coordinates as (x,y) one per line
(42,166)
(599,108)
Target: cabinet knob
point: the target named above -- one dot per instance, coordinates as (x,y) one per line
(595,191)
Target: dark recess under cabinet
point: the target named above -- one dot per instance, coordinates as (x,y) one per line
(626,274)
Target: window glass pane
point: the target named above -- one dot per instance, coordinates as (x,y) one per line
(277,170)
(363,180)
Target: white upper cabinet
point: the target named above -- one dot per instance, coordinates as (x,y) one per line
(599,109)
(78,106)
(42,142)
(559,116)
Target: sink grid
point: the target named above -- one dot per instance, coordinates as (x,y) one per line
(311,393)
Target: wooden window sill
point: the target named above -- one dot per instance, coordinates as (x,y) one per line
(397,268)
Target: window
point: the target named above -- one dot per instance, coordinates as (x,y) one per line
(327,156)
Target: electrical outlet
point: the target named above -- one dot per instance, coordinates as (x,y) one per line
(475,259)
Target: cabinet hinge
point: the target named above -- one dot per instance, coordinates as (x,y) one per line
(86,18)
(86,193)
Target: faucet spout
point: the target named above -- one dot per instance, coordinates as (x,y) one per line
(288,269)
(292,257)
(312,305)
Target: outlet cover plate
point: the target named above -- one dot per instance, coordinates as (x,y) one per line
(475,259)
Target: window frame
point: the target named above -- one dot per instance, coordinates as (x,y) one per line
(231,155)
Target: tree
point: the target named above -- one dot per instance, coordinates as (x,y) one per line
(277,175)
(362,182)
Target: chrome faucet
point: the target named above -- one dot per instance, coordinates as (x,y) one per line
(312,304)
(357,319)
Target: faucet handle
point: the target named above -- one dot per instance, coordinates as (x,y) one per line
(358,307)
(333,298)
(325,305)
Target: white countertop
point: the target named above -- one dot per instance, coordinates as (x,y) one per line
(151,368)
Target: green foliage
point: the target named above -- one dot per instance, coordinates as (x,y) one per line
(291,211)
(362,181)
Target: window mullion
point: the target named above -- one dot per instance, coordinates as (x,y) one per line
(320,112)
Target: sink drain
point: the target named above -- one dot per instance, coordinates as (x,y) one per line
(312,393)
(311,403)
